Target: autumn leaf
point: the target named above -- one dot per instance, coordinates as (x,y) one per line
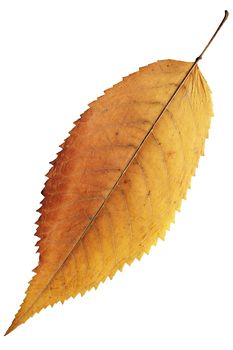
(115,186)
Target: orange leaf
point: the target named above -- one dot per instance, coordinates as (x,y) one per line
(119,179)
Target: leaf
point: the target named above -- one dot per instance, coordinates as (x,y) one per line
(119,179)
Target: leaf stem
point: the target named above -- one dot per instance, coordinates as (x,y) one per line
(214,35)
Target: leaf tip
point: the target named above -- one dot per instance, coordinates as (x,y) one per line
(10,329)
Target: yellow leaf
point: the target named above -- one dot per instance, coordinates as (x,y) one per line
(119,179)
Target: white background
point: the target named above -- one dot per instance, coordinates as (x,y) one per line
(57,56)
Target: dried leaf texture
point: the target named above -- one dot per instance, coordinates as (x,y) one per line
(109,197)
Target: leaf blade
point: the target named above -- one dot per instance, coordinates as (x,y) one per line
(123,104)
